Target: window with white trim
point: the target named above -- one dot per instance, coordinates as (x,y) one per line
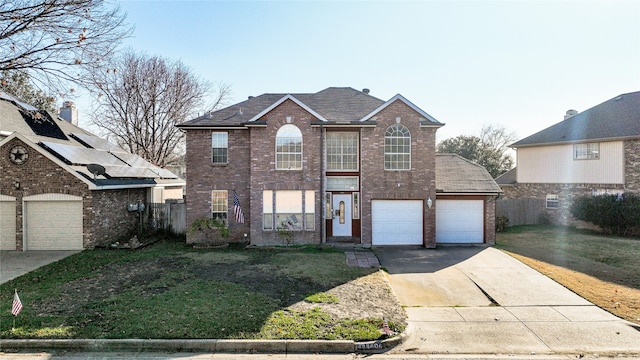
(342,151)
(219,205)
(289,148)
(552,201)
(219,147)
(397,148)
(587,151)
(289,210)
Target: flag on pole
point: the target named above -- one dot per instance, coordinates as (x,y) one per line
(17,304)
(237,209)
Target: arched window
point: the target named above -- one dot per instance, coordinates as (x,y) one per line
(289,148)
(397,148)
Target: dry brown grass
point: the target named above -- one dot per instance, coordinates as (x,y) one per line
(604,270)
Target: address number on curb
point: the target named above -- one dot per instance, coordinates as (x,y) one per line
(369,346)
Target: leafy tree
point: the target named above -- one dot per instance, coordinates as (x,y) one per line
(142,98)
(18,84)
(489,149)
(56,40)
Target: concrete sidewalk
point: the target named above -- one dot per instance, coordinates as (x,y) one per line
(478,300)
(18,263)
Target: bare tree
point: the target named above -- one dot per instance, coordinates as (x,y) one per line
(490,149)
(141,98)
(56,40)
(18,84)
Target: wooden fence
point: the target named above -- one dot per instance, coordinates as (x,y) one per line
(521,211)
(171,215)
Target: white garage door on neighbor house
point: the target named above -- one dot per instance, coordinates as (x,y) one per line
(7,222)
(459,221)
(397,222)
(53,222)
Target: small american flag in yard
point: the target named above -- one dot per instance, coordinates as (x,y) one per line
(237,209)
(17,304)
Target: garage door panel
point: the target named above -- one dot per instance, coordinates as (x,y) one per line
(7,225)
(54,225)
(397,222)
(460,221)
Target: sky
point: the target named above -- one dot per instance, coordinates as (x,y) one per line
(517,64)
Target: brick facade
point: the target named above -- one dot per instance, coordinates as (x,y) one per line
(105,217)
(417,184)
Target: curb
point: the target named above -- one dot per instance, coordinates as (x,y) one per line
(209,345)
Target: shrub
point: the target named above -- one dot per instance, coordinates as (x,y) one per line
(501,223)
(615,214)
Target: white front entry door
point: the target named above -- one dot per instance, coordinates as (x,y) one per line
(342,215)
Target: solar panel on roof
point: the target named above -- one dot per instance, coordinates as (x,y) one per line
(42,124)
(128,172)
(96,142)
(77,155)
(131,159)
(24,105)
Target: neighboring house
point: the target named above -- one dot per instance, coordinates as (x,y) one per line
(62,188)
(338,165)
(593,152)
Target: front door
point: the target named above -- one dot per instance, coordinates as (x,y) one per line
(342,215)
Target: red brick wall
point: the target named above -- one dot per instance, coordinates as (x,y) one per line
(417,184)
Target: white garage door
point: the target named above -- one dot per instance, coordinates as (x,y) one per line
(396,222)
(459,221)
(7,222)
(53,222)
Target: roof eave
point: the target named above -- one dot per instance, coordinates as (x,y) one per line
(283,99)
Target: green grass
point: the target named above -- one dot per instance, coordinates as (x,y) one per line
(608,258)
(170,290)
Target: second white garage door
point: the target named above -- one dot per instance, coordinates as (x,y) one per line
(396,222)
(7,222)
(53,222)
(459,221)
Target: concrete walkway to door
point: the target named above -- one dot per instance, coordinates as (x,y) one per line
(18,263)
(479,300)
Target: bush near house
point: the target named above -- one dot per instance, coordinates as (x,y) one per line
(615,214)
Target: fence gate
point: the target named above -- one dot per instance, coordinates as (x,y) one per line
(521,211)
(171,216)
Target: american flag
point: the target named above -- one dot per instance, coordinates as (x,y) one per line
(17,305)
(237,209)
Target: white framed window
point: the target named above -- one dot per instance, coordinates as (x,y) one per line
(587,151)
(267,210)
(356,205)
(342,183)
(219,205)
(289,209)
(552,201)
(289,148)
(328,203)
(219,147)
(397,148)
(342,151)
(309,210)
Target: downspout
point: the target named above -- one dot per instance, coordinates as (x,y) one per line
(323,210)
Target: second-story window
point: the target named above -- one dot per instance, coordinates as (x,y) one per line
(289,148)
(219,147)
(587,151)
(397,148)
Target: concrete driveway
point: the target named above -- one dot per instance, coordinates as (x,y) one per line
(18,263)
(478,300)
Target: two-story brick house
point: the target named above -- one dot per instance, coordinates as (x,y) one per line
(336,165)
(588,153)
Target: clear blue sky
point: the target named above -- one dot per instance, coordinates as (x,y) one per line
(520,64)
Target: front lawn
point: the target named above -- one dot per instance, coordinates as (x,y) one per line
(604,270)
(170,290)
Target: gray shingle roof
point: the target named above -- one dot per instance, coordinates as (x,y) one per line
(617,118)
(455,174)
(335,104)
(508,178)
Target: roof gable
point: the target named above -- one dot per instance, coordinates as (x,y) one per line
(283,99)
(431,120)
(617,118)
(455,174)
